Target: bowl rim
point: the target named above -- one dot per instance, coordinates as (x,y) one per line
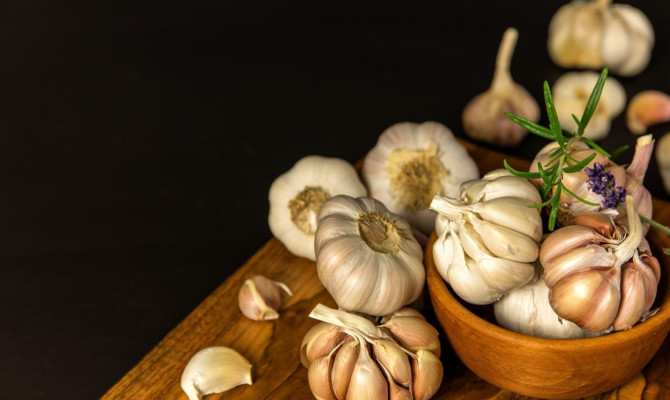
(658,322)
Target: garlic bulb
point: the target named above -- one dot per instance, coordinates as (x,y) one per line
(663,160)
(366,256)
(601,275)
(571,92)
(527,310)
(214,370)
(596,34)
(259,298)
(297,195)
(629,178)
(483,116)
(485,248)
(647,108)
(370,361)
(410,164)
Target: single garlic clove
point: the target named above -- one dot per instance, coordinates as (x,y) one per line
(505,242)
(343,366)
(638,291)
(215,370)
(320,340)
(396,392)
(318,377)
(427,372)
(367,381)
(259,298)
(484,116)
(414,333)
(403,312)
(513,213)
(590,298)
(575,260)
(649,107)
(394,359)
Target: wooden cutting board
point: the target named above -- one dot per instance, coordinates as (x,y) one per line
(273,347)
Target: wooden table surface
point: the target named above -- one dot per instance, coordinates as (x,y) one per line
(273,346)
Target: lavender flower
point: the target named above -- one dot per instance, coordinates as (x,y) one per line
(603,183)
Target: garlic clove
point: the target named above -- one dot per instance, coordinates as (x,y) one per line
(513,213)
(259,298)
(483,116)
(427,371)
(590,298)
(663,160)
(403,312)
(318,377)
(414,333)
(396,392)
(343,366)
(367,381)
(638,290)
(574,261)
(394,360)
(505,242)
(649,107)
(501,186)
(214,370)
(320,340)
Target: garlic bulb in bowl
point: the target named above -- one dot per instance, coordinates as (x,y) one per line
(413,162)
(367,257)
(297,195)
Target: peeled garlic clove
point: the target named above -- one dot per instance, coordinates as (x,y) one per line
(343,367)
(394,359)
(649,107)
(297,195)
(590,298)
(367,381)
(319,341)
(483,116)
(638,291)
(412,162)
(259,298)
(215,370)
(318,377)
(427,372)
(571,92)
(414,333)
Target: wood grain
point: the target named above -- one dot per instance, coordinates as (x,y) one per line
(273,347)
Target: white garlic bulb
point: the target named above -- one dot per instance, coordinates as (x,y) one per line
(527,310)
(366,256)
(571,92)
(596,34)
(410,164)
(214,370)
(297,195)
(485,248)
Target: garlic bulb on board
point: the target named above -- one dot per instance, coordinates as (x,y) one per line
(297,195)
(601,275)
(663,160)
(410,164)
(484,116)
(571,92)
(259,298)
(527,310)
(596,34)
(366,256)
(647,108)
(485,248)
(629,178)
(370,361)
(214,370)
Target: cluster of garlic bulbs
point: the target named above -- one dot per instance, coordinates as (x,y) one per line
(488,240)
(601,274)
(350,357)
(596,34)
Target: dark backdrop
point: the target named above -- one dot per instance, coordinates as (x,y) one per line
(139,140)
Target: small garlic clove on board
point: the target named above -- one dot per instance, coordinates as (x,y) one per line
(649,107)
(259,298)
(484,116)
(428,372)
(215,370)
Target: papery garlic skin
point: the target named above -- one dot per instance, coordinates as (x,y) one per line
(571,92)
(215,370)
(412,162)
(484,116)
(366,256)
(297,195)
(259,298)
(596,34)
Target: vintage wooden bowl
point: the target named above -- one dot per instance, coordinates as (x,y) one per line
(548,368)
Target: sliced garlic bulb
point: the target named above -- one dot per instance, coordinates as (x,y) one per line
(596,34)
(410,164)
(214,370)
(297,195)
(571,92)
(366,256)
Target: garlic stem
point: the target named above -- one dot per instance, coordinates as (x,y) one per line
(502,79)
(451,208)
(643,151)
(627,249)
(352,324)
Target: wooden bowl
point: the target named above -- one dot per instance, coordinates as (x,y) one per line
(548,368)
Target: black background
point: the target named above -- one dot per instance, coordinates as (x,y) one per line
(139,140)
